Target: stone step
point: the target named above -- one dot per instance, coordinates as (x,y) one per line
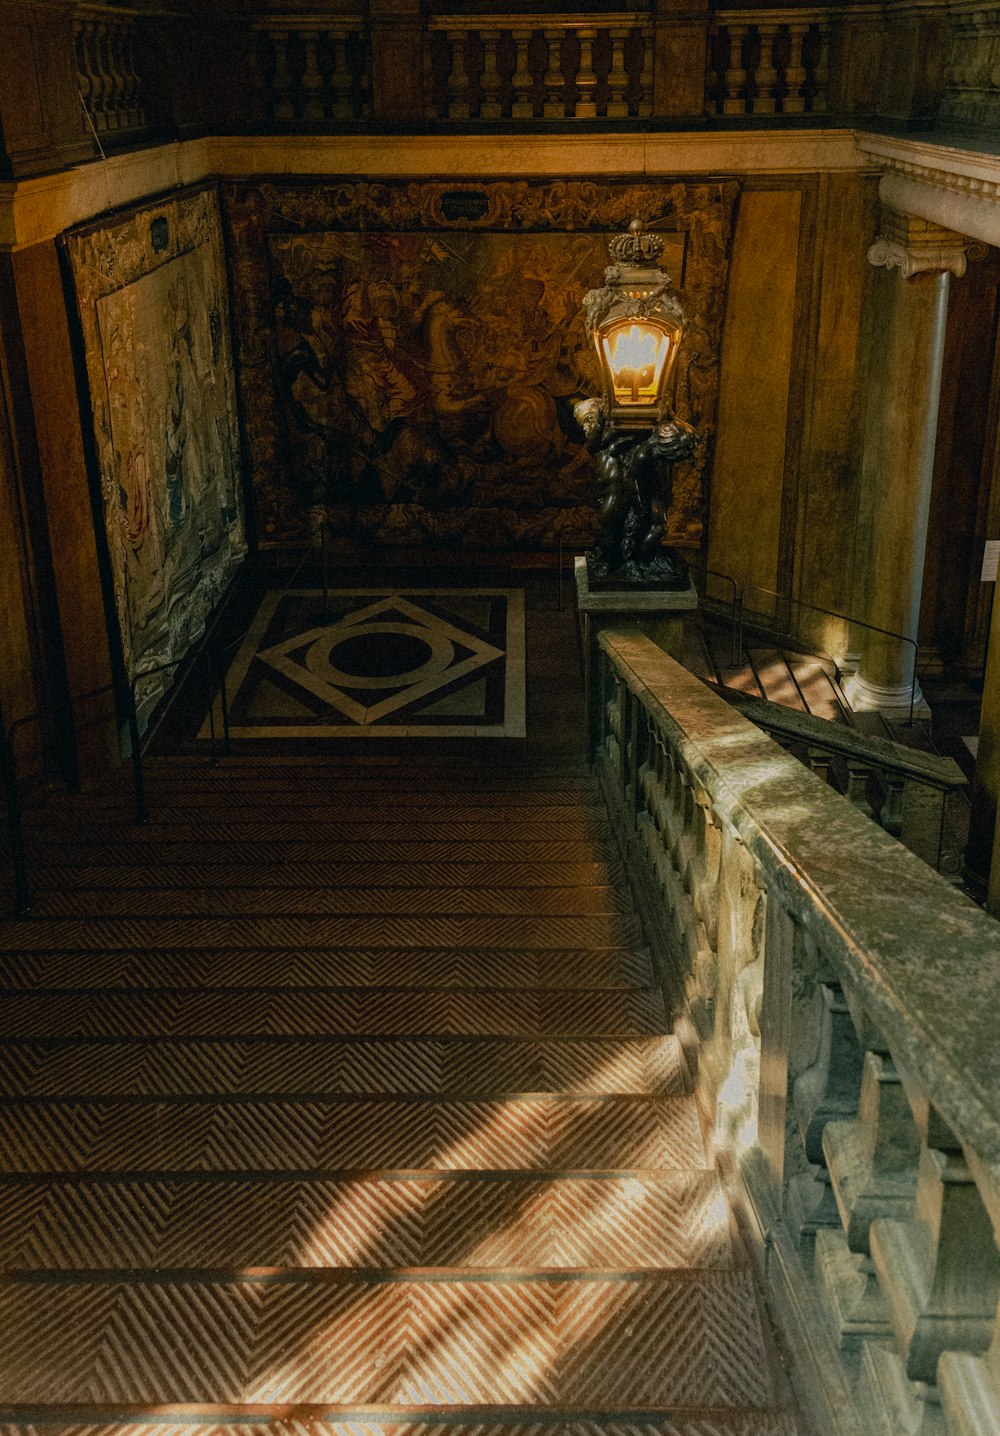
(590,967)
(454,901)
(679,1220)
(309,813)
(529,933)
(320,1135)
(567,1344)
(326,1011)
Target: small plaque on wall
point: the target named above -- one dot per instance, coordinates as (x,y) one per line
(991,559)
(465,204)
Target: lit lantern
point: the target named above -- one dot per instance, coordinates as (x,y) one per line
(636,324)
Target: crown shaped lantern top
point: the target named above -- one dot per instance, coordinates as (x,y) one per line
(635,323)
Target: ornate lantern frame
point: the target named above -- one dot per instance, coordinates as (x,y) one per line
(636,324)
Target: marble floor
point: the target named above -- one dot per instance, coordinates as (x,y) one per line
(425,662)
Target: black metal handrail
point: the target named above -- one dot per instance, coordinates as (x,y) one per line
(830,613)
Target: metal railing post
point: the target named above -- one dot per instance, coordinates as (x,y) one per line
(141,811)
(15,831)
(326,583)
(560,573)
(214,759)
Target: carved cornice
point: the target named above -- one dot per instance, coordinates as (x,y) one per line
(917,246)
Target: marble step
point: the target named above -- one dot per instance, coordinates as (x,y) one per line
(435,1066)
(321,1135)
(362,825)
(673,1221)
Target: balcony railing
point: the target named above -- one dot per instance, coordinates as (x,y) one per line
(768,63)
(315,71)
(108,75)
(840,1009)
(482,68)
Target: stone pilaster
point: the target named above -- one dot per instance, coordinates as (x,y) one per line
(916,260)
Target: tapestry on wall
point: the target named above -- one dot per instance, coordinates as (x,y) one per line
(153,302)
(409,354)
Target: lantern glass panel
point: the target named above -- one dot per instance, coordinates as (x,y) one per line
(635,354)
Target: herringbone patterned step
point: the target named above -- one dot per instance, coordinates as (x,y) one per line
(339,1101)
(388,901)
(324,1011)
(295,930)
(317,1133)
(675,1220)
(335,1338)
(434,1066)
(677,1422)
(448,967)
(232,876)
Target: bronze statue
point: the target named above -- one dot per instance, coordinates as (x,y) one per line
(635,471)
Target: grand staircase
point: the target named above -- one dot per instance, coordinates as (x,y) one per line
(342,1096)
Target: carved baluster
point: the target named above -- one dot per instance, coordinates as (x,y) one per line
(858,773)
(283,105)
(554,105)
(735,102)
(817,79)
(339,98)
(521,80)
(891,816)
(586,77)
(819,761)
(969,1387)
(134,97)
(872,1163)
(646,74)
(458,80)
(823,1091)
(489,85)
(766,76)
(794,102)
(717,70)
(311,104)
(118,60)
(617,75)
(939,1273)
(101,77)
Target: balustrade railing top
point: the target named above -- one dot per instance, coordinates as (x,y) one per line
(844,998)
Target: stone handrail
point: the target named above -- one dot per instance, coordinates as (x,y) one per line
(839,1001)
(903,789)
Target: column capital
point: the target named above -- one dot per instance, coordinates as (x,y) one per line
(917,246)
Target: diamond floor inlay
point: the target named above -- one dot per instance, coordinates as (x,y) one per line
(328,1109)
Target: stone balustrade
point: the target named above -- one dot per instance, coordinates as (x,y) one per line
(838,1002)
(315,71)
(108,74)
(905,791)
(598,67)
(768,63)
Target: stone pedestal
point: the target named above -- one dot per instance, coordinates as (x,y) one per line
(659,615)
(908,325)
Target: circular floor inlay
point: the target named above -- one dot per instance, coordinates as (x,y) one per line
(379,655)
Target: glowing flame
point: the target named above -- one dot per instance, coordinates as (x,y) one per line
(636,357)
